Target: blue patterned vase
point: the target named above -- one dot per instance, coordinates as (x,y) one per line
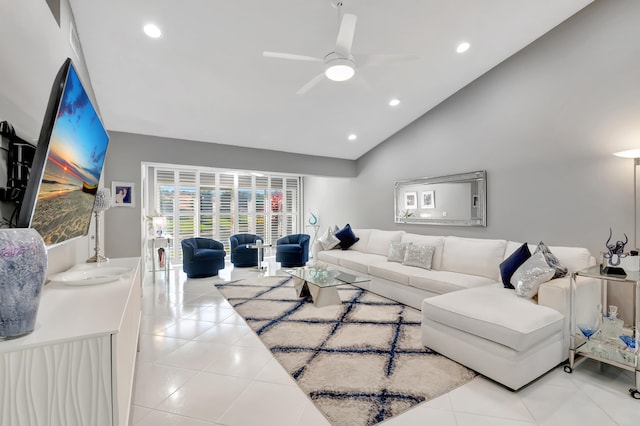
(23,266)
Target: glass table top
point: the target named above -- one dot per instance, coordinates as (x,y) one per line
(595,272)
(325,277)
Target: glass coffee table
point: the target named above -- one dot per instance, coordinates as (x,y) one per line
(319,285)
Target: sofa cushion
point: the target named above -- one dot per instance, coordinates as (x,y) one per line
(436,242)
(359,261)
(363,235)
(473,256)
(441,282)
(392,271)
(380,241)
(418,255)
(496,314)
(512,263)
(330,256)
(347,237)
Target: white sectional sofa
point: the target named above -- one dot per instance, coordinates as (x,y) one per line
(468,315)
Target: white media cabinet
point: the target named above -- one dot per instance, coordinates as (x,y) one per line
(77,366)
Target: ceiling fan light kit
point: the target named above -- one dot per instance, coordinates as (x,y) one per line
(339,69)
(340,65)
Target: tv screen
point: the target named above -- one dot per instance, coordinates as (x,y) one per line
(60,193)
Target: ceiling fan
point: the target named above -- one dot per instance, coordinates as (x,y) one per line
(341,64)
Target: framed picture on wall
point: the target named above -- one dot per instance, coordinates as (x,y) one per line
(123,194)
(410,200)
(428,200)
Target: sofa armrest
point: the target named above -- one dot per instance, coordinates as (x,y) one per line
(555,294)
(316,248)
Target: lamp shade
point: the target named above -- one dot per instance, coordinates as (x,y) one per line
(631,153)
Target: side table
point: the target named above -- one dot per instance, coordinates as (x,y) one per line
(161,243)
(604,350)
(260,246)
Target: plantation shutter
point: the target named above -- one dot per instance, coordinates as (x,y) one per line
(208,205)
(212,204)
(187,204)
(262,186)
(226,208)
(276,206)
(245,204)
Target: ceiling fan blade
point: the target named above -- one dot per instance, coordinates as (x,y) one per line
(290,56)
(315,80)
(376,60)
(345,34)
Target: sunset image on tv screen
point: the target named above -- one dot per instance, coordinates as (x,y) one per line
(72,170)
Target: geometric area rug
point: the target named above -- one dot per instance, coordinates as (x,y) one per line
(360,362)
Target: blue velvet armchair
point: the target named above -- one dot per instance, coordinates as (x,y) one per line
(293,250)
(241,255)
(202,257)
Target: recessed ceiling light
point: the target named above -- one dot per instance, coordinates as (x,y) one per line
(352,137)
(394,102)
(152,31)
(463,47)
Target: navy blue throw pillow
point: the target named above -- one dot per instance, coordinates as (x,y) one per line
(347,237)
(512,263)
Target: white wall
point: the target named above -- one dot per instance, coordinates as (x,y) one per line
(543,124)
(32,49)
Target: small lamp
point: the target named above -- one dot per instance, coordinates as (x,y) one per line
(159,222)
(101,203)
(635,155)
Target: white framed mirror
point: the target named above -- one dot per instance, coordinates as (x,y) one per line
(458,200)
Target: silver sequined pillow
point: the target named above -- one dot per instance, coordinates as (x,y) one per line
(531,274)
(328,240)
(397,251)
(552,260)
(418,255)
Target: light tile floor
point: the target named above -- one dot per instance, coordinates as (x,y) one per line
(200,364)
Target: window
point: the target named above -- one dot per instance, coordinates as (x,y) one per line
(218,204)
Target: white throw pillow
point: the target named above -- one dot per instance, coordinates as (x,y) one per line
(328,240)
(531,274)
(418,255)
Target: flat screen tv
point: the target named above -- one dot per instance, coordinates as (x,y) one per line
(63,181)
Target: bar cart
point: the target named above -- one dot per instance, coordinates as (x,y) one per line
(622,352)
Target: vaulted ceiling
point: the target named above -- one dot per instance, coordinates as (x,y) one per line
(206,79)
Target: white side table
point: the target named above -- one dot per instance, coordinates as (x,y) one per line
(165,241)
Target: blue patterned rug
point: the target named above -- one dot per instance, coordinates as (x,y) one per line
(360,362)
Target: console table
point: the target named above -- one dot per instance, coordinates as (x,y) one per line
(77,366)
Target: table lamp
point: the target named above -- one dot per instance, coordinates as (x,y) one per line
(101,203)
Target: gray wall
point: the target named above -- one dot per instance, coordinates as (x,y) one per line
(127,151)
(544,124)
(33,47)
